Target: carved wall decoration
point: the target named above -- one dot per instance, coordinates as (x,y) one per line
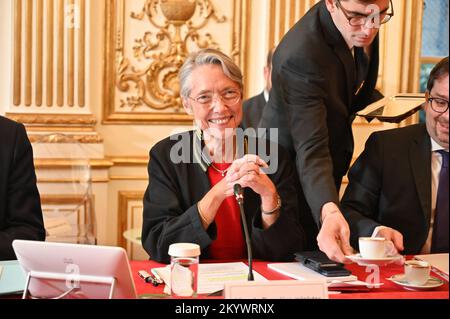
(130,218)
(145,49)
(283,14)
(80,128)
(85,139)
(49,55)
(50,89)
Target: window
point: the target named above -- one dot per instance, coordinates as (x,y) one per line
(434,37)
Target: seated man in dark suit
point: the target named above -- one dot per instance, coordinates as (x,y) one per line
(20,206)
(254,106)
(398,187)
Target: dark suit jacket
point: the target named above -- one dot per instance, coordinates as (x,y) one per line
(312,103)
(171,214)
(390,185)
(20,206)
(252,110)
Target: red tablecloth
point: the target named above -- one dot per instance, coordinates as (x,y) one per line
(388,290)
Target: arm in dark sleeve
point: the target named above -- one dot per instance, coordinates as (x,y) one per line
(303,96)
(23,208)
(282,239)
(165,221)
(360,201)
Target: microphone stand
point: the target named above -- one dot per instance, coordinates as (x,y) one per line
(240,201)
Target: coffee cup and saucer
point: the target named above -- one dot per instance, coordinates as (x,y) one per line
(417,276)
(375,251)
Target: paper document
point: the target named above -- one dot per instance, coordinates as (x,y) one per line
(297,271)
(212,277)
(12,278)
(437,261)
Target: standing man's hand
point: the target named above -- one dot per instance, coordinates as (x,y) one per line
(334,235)
(393,235)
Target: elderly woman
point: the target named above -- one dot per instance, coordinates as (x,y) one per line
(191,176)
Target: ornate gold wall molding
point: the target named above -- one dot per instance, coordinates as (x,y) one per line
(283,15)
(38,26)
(142,63)
(80,128)
(17,67)
(58,163)
(85,139)
(69,180)
(130,161)
(412,43)
(51,119)
(49,81)
(70,212)
(61,129)
(59,201)
(107,162)
(125,199)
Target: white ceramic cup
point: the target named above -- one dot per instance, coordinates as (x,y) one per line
(417,272)
(375,247)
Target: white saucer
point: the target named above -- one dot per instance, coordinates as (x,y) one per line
(373,261)
(433,282)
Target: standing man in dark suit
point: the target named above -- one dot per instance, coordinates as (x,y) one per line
(20,205)
(253,107)
(398,187)
(324,71)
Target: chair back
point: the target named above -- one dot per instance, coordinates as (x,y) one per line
(65,185)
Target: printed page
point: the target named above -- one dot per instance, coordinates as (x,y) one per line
(298,271)
(212,277)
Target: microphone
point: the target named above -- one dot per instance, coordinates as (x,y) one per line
(240,200)
(238,193)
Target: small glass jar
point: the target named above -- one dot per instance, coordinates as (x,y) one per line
(184,259)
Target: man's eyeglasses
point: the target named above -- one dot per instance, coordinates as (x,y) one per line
(438,105)
(228,97)
(372,20)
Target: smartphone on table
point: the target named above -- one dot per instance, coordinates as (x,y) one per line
(319,262)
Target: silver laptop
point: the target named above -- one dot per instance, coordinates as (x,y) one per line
(63,270)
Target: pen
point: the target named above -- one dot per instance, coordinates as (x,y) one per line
(148,278)
(156,275)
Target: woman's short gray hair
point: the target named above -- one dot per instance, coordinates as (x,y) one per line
(204,57)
